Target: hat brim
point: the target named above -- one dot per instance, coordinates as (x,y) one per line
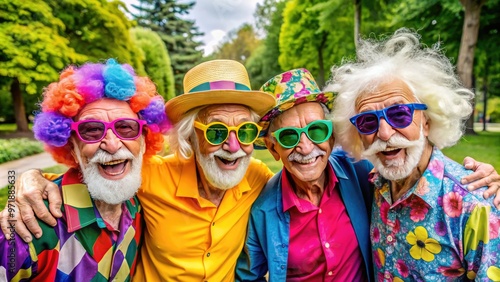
(258,101)
(325,98)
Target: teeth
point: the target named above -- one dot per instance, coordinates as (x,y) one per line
(390,149)
(114,162)
(308,161)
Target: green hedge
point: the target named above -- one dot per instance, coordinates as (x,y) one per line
(13,149)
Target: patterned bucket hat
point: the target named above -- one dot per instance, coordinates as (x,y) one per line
(291,88)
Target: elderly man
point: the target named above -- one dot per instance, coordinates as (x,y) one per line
(311,222)
(405,103)
(196,202)
(98,236)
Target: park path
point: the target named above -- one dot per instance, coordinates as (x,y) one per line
(42,160)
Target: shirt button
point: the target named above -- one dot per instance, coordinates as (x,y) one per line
(283,245)
(327,245)
(208,254)
(282,267)
(330,273)
(390,238)
(387,275)
(320,211)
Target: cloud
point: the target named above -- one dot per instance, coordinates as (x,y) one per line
(216,17)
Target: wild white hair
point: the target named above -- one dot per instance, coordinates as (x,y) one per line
(180,142)
(427,72)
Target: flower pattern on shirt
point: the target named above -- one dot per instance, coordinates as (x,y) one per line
(436,231)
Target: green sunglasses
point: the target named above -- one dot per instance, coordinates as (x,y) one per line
(217,133)
(317,131)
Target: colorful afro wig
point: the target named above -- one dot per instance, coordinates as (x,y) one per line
(76,87)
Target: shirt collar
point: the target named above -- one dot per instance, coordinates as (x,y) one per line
(433,173)
(79,207)
(290,198)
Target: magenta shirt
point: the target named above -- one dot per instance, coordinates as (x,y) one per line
(323,246)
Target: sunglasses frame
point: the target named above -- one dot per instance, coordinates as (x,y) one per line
(203,127)
(107,125)
(305,129)
(383,113)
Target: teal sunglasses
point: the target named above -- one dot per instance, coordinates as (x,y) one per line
(317,131)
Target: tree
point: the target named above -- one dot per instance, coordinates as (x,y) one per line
(155,60)
(32,50)
(468,43)
(306,40)
(163,17)
(263,64)
(238,44)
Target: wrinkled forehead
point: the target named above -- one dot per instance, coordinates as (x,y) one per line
(106,107)
(299,115)
(225,113)
(395,90)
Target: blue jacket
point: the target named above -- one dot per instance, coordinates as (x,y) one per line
(266,247)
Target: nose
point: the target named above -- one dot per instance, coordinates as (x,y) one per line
(232,143)
(385,130)
(305,146)
(111,143)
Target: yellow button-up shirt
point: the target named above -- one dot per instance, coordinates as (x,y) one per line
(188,238)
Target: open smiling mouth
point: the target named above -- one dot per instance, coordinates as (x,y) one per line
(391,151)
(115,167)
(228,162)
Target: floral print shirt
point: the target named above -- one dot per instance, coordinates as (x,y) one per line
(437,231)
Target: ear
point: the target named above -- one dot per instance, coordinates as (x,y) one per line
(426,123)
(271,146)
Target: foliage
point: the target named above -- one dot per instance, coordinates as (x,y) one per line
(156,60)
(13,149)
(178,34)
(263,63)
(304,44)
(39,38)
(238,45)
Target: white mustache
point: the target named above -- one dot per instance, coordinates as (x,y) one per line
(229,156)
(296,157)
(396,141)
(102,156)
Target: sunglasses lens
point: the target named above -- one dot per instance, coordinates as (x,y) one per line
(318,132)
(288,138)
(248,133)
(399,116)
(91,131)
(216,134)
(367,123)
(127,128)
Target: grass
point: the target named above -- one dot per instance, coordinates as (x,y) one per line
(484,147)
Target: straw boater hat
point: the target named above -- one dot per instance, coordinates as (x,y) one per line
(291,88)
(218,82)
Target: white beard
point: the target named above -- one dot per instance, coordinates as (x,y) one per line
(112,191)
(398,168)
(219,178)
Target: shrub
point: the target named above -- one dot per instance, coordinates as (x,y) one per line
(13,149)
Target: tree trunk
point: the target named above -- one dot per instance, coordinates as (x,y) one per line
(19,111)
(467,47)
(357,22)
(320,79)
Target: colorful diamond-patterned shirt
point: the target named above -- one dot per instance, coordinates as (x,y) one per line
(81,247)
(437,231)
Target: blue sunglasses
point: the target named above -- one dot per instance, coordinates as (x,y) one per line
(397,116)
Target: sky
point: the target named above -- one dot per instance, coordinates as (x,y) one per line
(215,18)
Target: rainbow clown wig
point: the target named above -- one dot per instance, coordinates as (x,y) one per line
(77,87)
